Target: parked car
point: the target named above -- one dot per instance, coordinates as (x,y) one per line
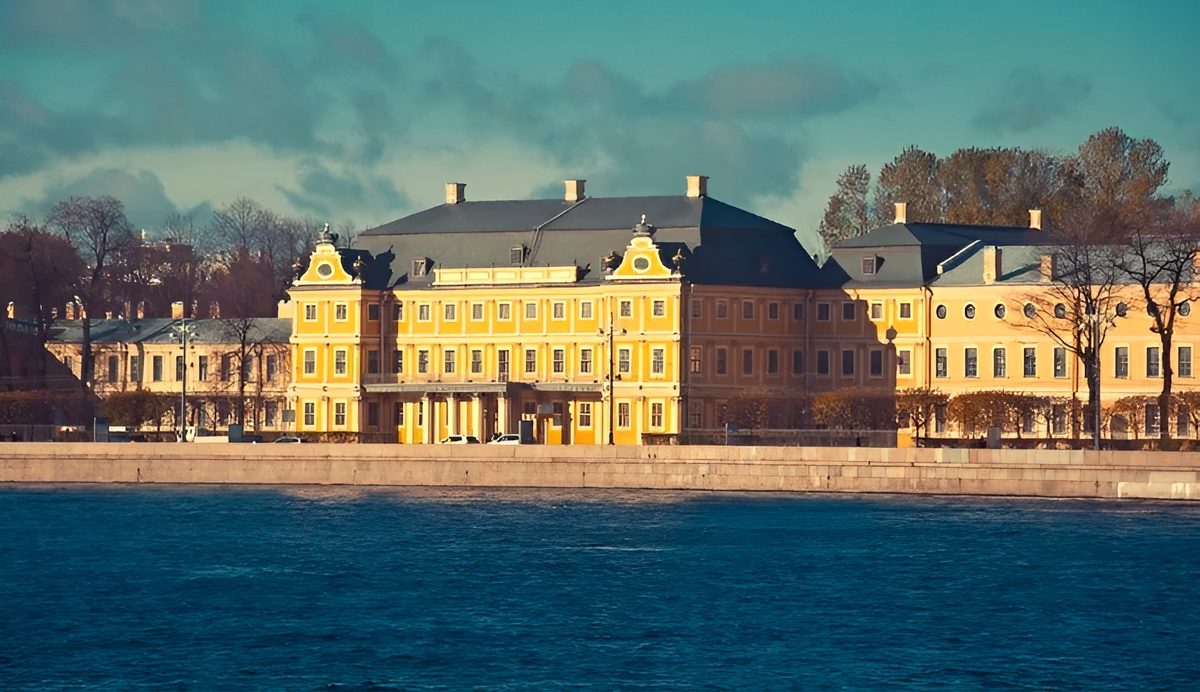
(288,439)
(506,439)
(459,440)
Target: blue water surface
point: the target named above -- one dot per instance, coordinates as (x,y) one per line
(202,588)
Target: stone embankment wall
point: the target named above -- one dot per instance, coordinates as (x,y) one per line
(1037,473)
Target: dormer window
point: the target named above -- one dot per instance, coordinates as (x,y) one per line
(516,256)
(420,266)
(869,266)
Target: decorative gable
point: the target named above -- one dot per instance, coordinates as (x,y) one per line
(325,265)
(642,260)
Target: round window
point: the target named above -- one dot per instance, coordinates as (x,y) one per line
(1185,309)
(1030,310)
(641,264)
(325,270)
(1000,311)
(941,312)
(1122,309)
(1060,311)
(969,311)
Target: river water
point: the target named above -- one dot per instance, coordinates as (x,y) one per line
(203,588)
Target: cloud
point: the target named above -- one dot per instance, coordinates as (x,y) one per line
(145,198)
(326,193)
(779,88)
(1029,99)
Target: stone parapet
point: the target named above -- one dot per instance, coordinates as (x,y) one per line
(1033,473)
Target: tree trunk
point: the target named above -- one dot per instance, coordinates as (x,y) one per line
(1164,397)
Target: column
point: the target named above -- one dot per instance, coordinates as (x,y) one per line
(427,405)
(502,413)
(451,414)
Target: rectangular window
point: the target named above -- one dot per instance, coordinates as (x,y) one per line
(585,361)
(659,308)
(157,365)
(722,361)
(658,361)
(1121,362)
(420,413)
(626,308)
(623,414)
(1030,361)
(339,414)
(1027,421)
(1183,421)
(939,418)
(373,316)
(398,361)
(558,361)
(823,312)
(822,362)
(868,266)
(135,368)
(557,409)
(373,414)
(398,312)
(772,362)
(906,311)
(179,368)
(585,414)
(1060,362)
(848,312)
(695,413)
(941,363)
(1152,421)
(623,364)
(373,362)
(970,362)
(272,368)
(797,312)
(449,312)
(310,312)
(1000,363)
(202,365)
(476,361)
(248,369)
(339,361)
(423,312)
(504,311)
(310,414)
(1058,419)
(585,310)
(876,363)
(772,311)
(477,312)
(531,311)
(695,360)
(341,312)
(747,309)
(399,414)
(1185,361)
(1152,368)
(904,362)
(502,365)
(697,308)
(114,368)
(449,356)
(656,414)
(848,362)
(530,360)
(270,413)
(558,311)
(722,309)
(797,362)
(423,362)
(226,367)
(747,361)
(876,311)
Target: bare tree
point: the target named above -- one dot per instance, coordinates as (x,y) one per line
(1078,301)
(1160,261)
(98,229)
(847,214)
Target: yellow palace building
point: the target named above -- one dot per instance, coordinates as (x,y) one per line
(595,319)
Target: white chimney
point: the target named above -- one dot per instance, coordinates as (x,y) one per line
(574,190)
(456,193)
(1035,219)
(697,186)
(901,212)
(992,264)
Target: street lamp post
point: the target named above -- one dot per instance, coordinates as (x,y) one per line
(183,331)
(612,376)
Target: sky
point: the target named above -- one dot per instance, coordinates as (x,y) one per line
(359,112)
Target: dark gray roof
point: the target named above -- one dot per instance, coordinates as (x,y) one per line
(724,245)
(158,331)
(946,234)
